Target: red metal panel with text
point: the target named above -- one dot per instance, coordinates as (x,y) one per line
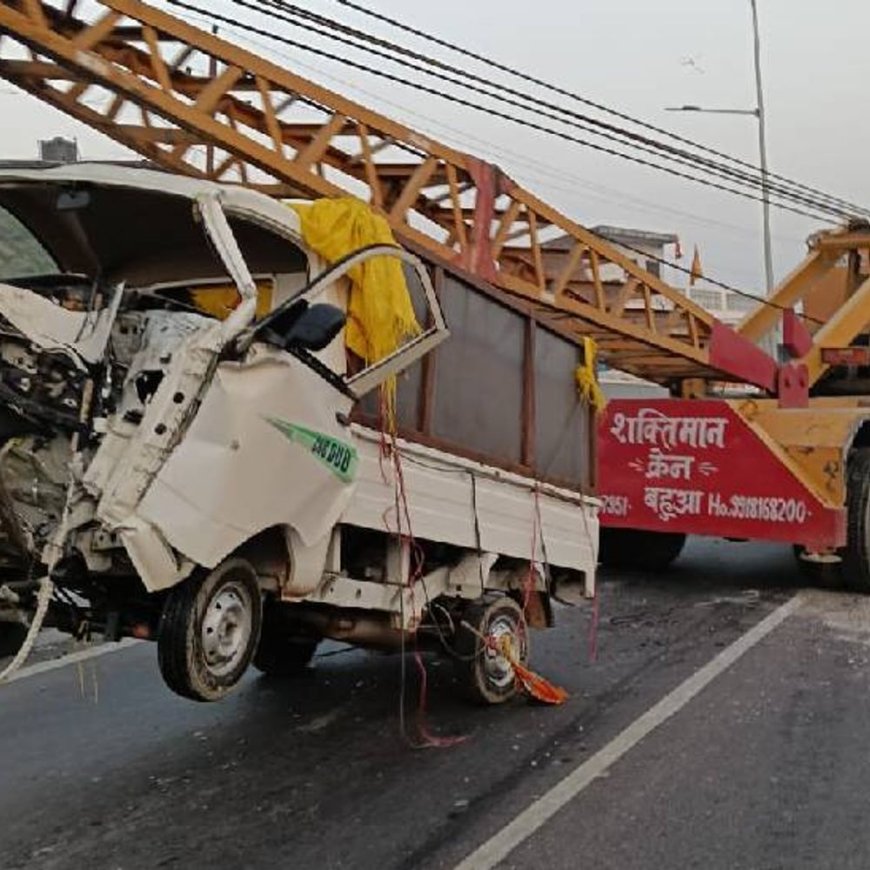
(697,466)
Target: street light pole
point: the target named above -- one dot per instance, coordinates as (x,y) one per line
(762,150)
(770,342)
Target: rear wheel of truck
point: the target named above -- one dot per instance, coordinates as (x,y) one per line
(12,636)
(209,630)
(282,652)
(283,657)
(484,670)
(639,550)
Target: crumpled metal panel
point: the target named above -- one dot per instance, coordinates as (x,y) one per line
(237,471)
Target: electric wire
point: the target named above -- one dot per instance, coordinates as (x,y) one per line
(553,179)
(622,137)
(837,206)
(531,79)
(487,110)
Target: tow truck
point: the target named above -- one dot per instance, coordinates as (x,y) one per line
(789,462)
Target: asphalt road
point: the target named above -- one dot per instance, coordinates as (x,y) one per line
(102,767)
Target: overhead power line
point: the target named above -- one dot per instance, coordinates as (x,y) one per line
(302,18)
(284,11)
(546,174)
(531,79)
(436,68)
(820,213)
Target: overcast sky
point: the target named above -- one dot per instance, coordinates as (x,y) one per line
(638,57)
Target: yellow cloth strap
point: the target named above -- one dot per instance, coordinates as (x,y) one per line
(587,380)
(380,314)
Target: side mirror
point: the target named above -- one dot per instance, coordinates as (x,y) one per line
(315,328)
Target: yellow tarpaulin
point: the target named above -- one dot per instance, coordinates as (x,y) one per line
(380,314)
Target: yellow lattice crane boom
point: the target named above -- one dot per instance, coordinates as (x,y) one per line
(197,104)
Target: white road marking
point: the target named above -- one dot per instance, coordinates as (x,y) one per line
(502,843)
(72,658)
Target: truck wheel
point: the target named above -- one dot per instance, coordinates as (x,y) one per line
(12,636)
(826,575)
(639,550)
(209,630)
(283,657)
(485,675)
(856,555)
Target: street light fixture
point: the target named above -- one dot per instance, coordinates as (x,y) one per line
(714,111)
(757,112)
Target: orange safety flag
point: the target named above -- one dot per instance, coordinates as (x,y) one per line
(696,272)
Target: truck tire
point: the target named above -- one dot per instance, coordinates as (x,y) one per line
(824,575)
(639,550)
(12,636)
(283,657)
(209,630)
(485,676)
(856,554)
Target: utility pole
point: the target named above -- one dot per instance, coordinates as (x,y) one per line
(770,343)
(762,150)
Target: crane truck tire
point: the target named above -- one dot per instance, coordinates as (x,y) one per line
(209,630)
(485,675)
(853,569)
(856,555)
(823,575)
(639,550)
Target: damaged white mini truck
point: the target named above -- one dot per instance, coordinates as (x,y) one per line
(190,454)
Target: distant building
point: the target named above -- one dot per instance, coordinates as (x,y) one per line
(645,248)
(59,150)
(727,306)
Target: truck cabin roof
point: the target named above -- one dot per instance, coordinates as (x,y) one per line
(139,226)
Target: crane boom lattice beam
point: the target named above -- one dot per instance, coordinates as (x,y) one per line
(197,104)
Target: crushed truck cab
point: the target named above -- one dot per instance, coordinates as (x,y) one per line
(192,453)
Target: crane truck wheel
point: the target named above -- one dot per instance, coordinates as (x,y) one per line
(485,673)
(209,630)
(826,575)
(856,554)
(853,569)
(639,550)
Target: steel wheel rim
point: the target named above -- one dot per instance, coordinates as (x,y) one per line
(226,628)
(496,665)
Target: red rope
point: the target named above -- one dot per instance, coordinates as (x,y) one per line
(529,583)
(425,739)
(592,639)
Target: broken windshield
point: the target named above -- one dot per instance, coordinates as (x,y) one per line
(21,253)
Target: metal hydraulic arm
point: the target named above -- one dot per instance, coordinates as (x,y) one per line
(812,349)
(193,103)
